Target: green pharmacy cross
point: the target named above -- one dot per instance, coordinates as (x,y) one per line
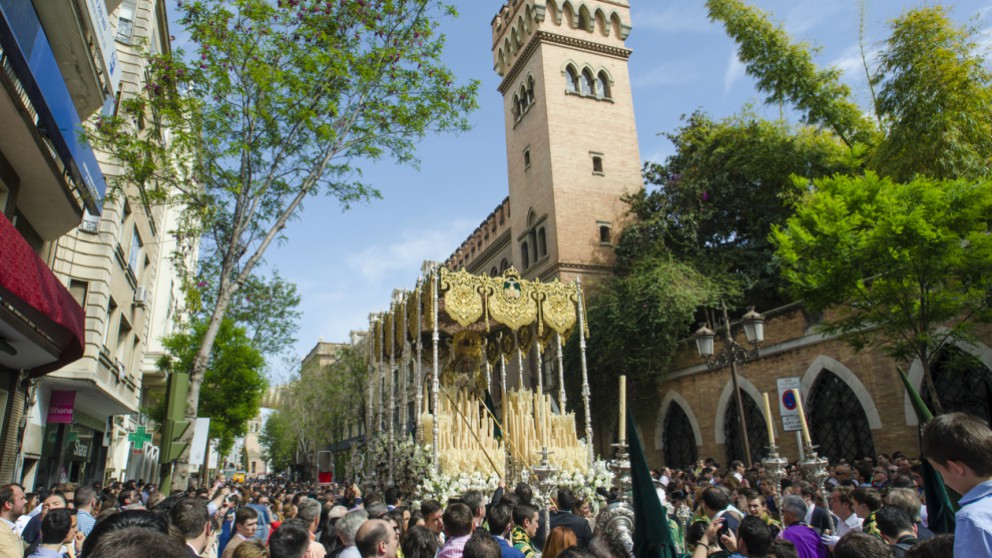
(139,437)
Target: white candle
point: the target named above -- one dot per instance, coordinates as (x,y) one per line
(802,418)
(623,409)
(768,421)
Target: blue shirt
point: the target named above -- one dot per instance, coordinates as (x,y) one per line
(506,550)
(973,529)
(85,521)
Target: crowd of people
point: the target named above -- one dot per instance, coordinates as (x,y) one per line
(872,508)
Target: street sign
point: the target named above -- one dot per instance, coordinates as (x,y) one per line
(787,405)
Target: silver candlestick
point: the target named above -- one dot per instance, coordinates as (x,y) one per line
(617,520)
(814,468)
(775,466)
(545,482)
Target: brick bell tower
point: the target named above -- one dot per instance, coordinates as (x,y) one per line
(571,141)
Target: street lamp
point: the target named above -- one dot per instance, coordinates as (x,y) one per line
(732,353)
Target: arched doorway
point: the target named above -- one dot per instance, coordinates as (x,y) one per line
(963,383)
(679,439)
(837,422)
(757,432)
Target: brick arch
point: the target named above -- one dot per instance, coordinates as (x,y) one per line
(659,424)
(824,362)
(979,350)
(721,408)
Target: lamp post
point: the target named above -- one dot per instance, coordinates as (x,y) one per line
(732,353)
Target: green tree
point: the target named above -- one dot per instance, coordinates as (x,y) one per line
(233,381)
(910,265)
(277,102)
(935,98)
(277,441)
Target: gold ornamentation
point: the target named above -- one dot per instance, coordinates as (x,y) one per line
(462,300)
(511,300)
(492,349)
(558,305)
(412,305)
(506,344)
(545,337)
(525,338)
(387,324)
(464,370)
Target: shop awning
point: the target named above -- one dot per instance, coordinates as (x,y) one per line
(40,322)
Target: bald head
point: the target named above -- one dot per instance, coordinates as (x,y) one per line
(377,539)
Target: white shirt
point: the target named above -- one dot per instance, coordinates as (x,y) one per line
(852,523)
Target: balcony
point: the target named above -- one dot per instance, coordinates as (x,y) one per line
(81,39)
(59,173)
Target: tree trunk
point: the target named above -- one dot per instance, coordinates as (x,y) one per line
(938,409)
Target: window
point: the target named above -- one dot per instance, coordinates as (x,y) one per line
(837,421)
(125,21)
(524,255)
(504,265)
(527,158)
(78,290)
(571,80)
(585,83)
(602,86)
(542,246)
(757,433)
(605,235)
(530,91)
(597,164)
(493,272)
(134,258)
(111,310)
(679,440)
(515,108)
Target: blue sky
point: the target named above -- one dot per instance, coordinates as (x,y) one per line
(346,264)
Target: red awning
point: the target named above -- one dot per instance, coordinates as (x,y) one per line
(43,310)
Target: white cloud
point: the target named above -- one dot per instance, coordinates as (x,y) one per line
(666,74)
(735,71)
(408,253)
(675,17)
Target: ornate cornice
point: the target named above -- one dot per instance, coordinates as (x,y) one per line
(554,38)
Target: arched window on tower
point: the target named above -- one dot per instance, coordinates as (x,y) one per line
(515,108)
(571,80)
(542,245)
(837,421)
(678,439)
(757,434)
(530,90)
(602,86)
(585,83)
(504,265)
(524,255)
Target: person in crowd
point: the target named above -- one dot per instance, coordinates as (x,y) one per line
(433,517)
(816,517)
(458,526)
(909,501)
(861,545)
(347,528)
(251,549)
(245,524)
(290,540)
(897,530)
(143,520)
(392,497)
(525,519)
(12,502)
(564,517)
(752,539)
(806,539)
(558,540)
(137,542)
(416,520)
(308,510)
(500,521)
(602,546)
(866,503)
(940,546)
(32,531)
(86,500)
(715,502)
(959,446)
(781,548)
(419,542)
(377,539)
(477,503)
(58,530)
(756,507)
(189,517)
(481,545)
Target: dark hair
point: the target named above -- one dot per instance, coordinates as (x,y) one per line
(523,491)
(415,515)
(695,533)
(905,498)
(474,500)
(457,520)
(84,496)
(941,546)
(607,547)
(368,538)
(56,525)
(392,495)
(125,498)
(290,540)
(428,507)
(7,493)
(522,513)
(844,494)
(959,437)
(189,516)
(782,548)
(893,520)
(861,545)
(716,498)
(499,518)
(566,500)
(136,542)
(244,514)
(127,519)
(755,534)
(482,545)
(868,497)
(419,542)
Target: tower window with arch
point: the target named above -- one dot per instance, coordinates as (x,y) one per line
(542,245)
(586,83)
(837,421)
(524,255)
(963,383)
(571,79)
(504,265)
(602,86)
(679,441)
(757,433)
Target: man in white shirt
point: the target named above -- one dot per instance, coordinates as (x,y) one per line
(842,506)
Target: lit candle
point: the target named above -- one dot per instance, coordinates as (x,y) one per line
(802,418)
(623,409)
(768,421)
